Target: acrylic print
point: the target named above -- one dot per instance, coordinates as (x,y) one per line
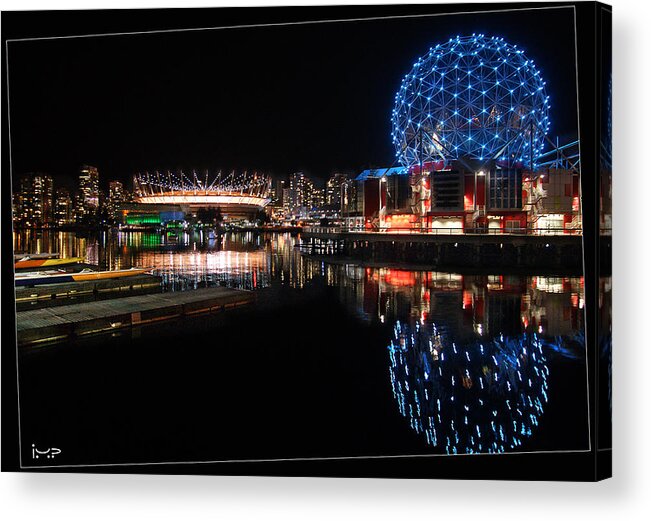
(332,242)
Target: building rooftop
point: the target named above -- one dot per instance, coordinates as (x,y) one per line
(380,172)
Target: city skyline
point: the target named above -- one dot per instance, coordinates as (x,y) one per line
(38,201)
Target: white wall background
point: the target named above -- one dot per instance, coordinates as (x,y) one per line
(627,496)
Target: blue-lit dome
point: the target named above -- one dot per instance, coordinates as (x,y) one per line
(474,96)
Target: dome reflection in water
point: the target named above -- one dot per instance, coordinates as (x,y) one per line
(479,396)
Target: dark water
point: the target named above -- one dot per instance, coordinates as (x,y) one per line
(333,360)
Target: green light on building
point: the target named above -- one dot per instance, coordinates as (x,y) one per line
(144,218)
(174,225)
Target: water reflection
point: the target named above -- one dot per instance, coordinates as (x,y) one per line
(470,305)
(65,243)
(185,260)
(482,396)
(239,260)
(469,358)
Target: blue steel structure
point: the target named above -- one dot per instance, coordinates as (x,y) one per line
(473,97)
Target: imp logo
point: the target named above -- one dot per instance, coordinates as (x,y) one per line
(47,453)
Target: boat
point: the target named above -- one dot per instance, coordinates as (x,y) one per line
(19,256)
(56,277)
(30,262)
(88,274)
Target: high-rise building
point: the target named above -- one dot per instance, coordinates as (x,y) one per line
(287,200)
(116,197)
(278,193)
(309,193)
(33,200)
(317,201)
(299,192)
(22,201)
(43,199)
(334,189)
(87,201)
(63,213)
(102,200)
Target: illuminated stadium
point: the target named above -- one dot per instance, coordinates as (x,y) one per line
(237,195)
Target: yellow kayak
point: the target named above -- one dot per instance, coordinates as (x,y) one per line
(27,262)
(95,275)
(33,279)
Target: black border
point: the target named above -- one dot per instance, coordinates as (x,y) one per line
(572,466)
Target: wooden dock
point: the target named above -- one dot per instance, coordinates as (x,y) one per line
(74,289)
(56,323)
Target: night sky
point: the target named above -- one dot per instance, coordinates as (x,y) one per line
(316,97)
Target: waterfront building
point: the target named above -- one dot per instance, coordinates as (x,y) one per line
(22,201)
(63,208)
(278,192)
(116,197)
(301,195)
(552,197)
(318,199)
(472,195)
(448,197)
(272,195)
(103,202)
(365,198)
(89,186)
(87,198)
(471,158)
(150,215)
(277,205)
(34,201)
(286,199)
(43,199)
(334,191)
(298,191)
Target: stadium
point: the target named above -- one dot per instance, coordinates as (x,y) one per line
(172,194)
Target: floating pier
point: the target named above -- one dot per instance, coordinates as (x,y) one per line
(56,323)
(51,292)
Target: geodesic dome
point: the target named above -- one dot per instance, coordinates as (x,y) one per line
(475,96)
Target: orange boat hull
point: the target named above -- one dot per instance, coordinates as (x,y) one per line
(42,263)
(107,274)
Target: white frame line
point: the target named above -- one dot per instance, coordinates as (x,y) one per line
(308,22)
